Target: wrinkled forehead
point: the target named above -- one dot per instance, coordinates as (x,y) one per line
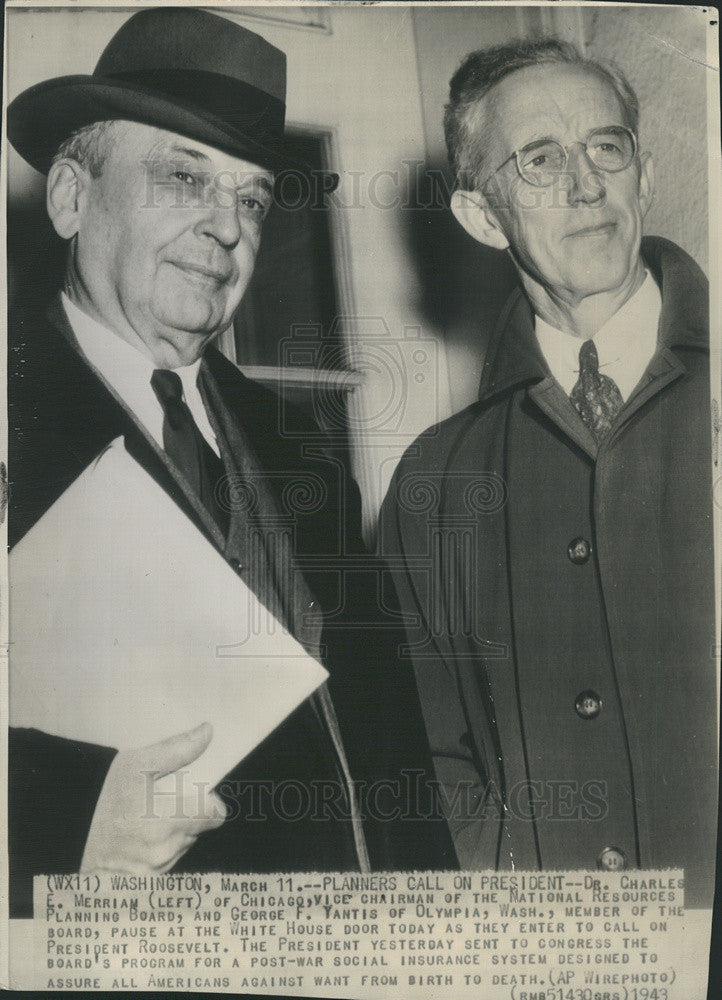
(550,100)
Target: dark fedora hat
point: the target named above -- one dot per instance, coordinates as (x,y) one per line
(181,69)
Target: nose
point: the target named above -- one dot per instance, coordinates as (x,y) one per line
(221,220)
(584,180)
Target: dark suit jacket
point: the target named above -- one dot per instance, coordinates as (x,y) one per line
(60,417)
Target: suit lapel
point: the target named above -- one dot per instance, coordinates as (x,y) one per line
(261,537)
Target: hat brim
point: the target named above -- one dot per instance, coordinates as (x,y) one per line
(43,116)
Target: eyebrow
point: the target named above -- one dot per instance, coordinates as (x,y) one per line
(194,154)
(542,138)
(263,182)
(200,157)
(595,128)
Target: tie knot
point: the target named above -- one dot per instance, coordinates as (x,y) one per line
(167,386)
(588,358)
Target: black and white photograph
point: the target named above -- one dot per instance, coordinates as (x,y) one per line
(362,497)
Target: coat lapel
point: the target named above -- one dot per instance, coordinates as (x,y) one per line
(514,358)
(261,539)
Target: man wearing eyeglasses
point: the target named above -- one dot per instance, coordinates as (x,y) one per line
(564,645)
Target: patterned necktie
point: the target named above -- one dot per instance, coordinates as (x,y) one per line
(185,445)
(596,397)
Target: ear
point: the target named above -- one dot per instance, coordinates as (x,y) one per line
(65,196)
(646,182)
(472,211)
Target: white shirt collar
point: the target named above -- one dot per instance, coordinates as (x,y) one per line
(128,372)
(625,343)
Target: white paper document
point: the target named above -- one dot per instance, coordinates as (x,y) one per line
(127,626)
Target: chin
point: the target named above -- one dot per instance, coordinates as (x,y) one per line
(198,310)
(595,276)
(174,343)
(190,324)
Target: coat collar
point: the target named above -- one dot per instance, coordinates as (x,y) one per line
(514,357)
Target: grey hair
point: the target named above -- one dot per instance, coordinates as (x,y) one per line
(481,70)
(89,146)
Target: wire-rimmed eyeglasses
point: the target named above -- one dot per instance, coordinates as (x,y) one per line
(610,148)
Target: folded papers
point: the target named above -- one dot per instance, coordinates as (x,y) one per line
(127,626)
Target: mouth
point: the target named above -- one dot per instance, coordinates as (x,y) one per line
(201,273)
(600,229)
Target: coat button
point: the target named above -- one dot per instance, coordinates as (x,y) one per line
(588,704)
(235,564)
(579,550)
(612,860)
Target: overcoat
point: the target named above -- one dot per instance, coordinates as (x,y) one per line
(559,600)
(61,416)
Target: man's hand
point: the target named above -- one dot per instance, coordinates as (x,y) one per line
(143,825)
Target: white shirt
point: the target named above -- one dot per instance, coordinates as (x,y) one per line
(128,372)
(625,343)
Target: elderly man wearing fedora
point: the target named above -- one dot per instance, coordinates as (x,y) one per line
(160,172)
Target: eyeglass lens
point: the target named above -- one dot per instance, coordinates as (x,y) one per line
(610,149)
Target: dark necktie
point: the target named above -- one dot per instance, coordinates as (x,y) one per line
(186,447)
(596,397)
